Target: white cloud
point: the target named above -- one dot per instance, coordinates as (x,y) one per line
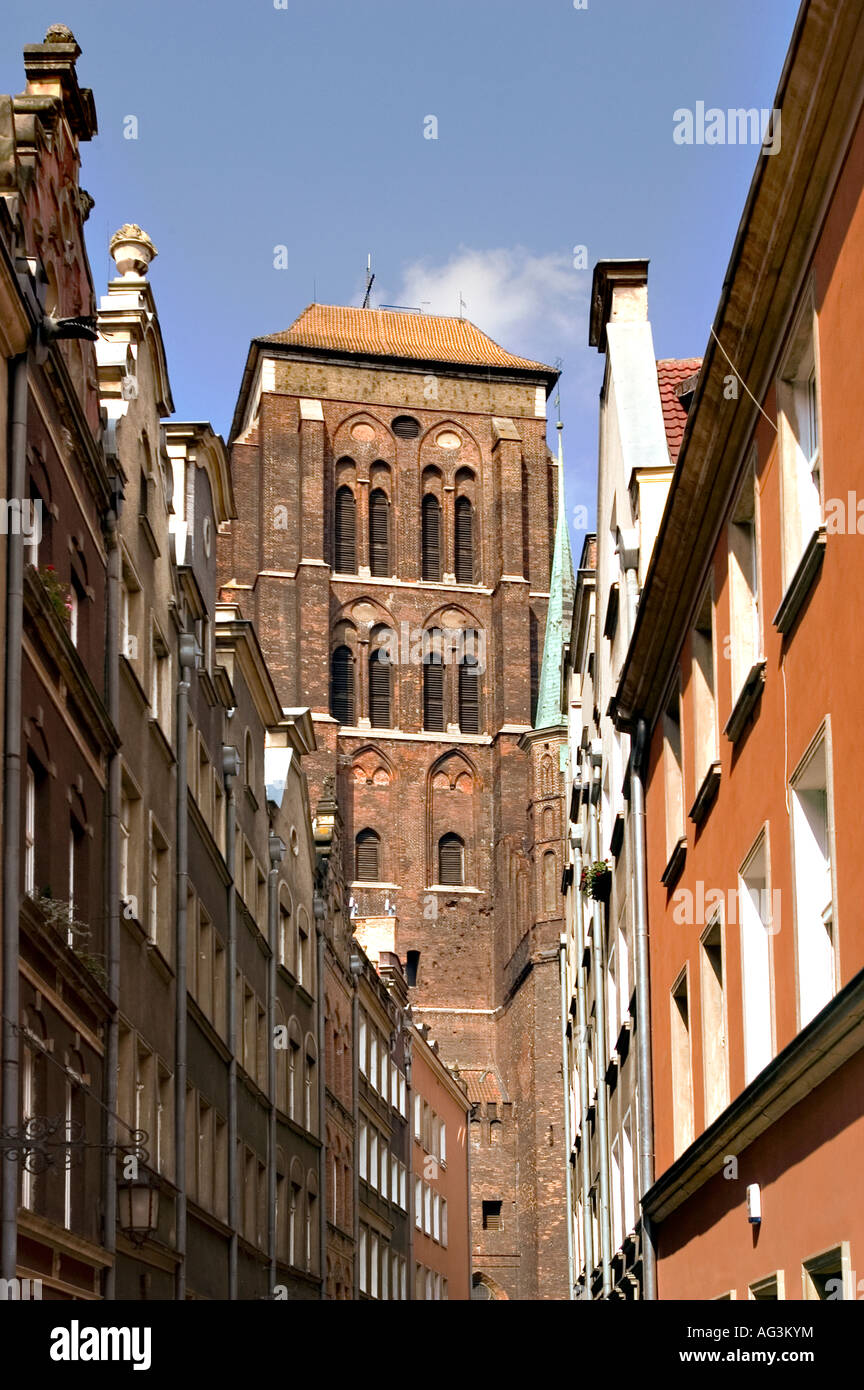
(535,306)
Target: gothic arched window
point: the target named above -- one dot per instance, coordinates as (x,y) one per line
(346,531)
(367,857)
(451,860)
(433,683)
(464,548)
(469,690)
(380,687)
(342,685)
(379,533)
(431,541)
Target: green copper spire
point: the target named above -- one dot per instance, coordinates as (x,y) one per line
(562,589)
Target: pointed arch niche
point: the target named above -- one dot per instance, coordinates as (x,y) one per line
(451,810)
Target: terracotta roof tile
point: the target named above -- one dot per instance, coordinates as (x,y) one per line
(483,1084)
(388,333)
(670,373)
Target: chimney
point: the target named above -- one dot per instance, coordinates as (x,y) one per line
(619,294)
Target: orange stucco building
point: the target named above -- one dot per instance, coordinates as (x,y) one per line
(442,1251)
(745,671)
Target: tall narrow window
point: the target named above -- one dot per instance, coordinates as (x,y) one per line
(704,697)
(469,694)
(753,896)
(433,683)
(379,533)
(673,772)
(800,447)
(380,684)
(714,1051)
(451,860)
(682,1083)
(464,541)
(746,644)
(30,831)
(342,685)
(814,907)
(346,531)
(367,865)
(431,541)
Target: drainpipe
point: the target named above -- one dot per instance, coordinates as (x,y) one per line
(320,907)
(598,968)
(644,1097)
(186,650)
(112,699)
(230,769)
(565,1072)
(12,808)
(582,1031)
(277,854)
(356,971)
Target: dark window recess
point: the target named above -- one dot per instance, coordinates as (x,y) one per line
(464,541)
(451,860)
(412,965)
(379,689)
(469,696)
(405,427)
(491,1216)
(433,694)
(366,866)
(346,532)
(342,686)
(431,538)
(379,533)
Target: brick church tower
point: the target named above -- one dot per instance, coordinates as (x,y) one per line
(397,517)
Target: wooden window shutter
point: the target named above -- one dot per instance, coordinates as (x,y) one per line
(469,696)
(379,537)
(464,541)
(433,693)
(431,538)
(379,689)
(366,856)
(451,860)
(342,686)
(346,532)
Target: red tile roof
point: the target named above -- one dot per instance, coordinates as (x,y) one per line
(483,1084)
(387,333)
(670,373)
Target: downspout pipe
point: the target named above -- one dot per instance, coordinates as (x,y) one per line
(17,481)
(186,651)
(644,1097)
(320,907)
(230,770)
(582,1031)
(277,854)
(565,1072)
(599,972)
(409,1107)
(112,876)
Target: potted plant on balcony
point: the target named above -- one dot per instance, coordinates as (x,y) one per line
(59,595)
(596,880)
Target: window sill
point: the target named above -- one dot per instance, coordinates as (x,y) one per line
(452,888)
(748,698)
(801,582)
(706,794)
(673,869)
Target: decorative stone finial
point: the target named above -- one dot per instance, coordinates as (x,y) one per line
(60,33)
(132,250)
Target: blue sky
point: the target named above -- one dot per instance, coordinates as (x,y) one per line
(303,127)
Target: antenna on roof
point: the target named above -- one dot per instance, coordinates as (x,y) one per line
(559,363)
(369,280)
(462,305)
